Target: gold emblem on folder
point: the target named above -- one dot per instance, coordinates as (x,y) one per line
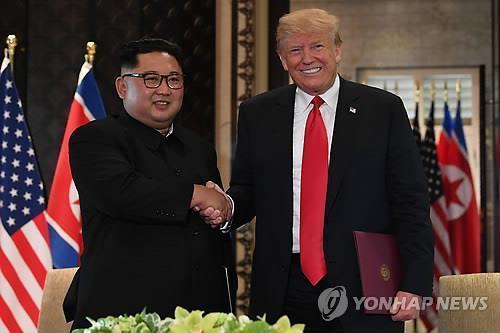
(385,272)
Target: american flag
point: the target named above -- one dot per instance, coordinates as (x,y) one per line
(442,258)
(24,241)
(416,128)
(63,211)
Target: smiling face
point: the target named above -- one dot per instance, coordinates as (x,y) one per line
(311,59)
(154,107)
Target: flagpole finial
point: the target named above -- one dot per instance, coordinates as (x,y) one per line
(91,50)
(445,91)
(11,48)
(417,90)
(458,88)
(433,90)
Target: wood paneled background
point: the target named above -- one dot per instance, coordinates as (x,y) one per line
(51,45)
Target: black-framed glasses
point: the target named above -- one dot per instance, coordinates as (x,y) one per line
(154,80)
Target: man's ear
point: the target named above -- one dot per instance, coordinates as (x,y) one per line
(283,62)
(338,53)
(121,87)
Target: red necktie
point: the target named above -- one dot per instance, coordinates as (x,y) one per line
(313,188)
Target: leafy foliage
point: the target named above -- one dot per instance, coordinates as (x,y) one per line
(188,322)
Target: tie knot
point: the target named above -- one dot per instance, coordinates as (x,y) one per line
(317,101)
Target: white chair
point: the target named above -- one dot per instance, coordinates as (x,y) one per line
(471,321)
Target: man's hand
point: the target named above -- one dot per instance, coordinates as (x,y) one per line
(212,204)
(406,306)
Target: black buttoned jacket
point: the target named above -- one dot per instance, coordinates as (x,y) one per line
(143,246)
(375,183)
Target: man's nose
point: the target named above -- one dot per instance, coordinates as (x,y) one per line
(164,88)
(308,57)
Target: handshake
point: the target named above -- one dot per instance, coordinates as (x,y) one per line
(212,204)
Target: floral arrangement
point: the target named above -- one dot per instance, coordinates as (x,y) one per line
(189,322)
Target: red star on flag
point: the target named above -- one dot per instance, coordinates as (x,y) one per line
(451,191)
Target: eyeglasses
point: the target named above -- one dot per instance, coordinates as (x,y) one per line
(154,80)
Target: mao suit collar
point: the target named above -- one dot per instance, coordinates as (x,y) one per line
(149,136)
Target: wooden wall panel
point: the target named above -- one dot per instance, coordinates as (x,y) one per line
(14,22)
(57,32)
(52,37)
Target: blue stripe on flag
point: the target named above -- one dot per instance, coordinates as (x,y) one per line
(89,92)
(447,122)
(63,255)
(458,128)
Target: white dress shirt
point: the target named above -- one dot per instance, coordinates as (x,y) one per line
(302,108)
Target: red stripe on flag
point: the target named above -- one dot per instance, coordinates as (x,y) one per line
(41,225)
(437,274)
(8,318)
(429,325)
(30,257)
(59,207)
(21,293)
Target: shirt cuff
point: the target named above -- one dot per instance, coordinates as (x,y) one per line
(226,227)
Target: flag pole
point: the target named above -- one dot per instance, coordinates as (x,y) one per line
(458,88)
(417,102)
(91,50)
(433,90)
(417,91)
(11,49)
(445,91)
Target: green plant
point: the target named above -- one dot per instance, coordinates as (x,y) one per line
(189,322)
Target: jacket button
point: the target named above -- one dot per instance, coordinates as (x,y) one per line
(196,233)
(178,172)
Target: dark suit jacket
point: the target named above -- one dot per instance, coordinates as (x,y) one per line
(376,183)
(143,246)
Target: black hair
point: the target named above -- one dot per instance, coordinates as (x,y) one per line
(129,51)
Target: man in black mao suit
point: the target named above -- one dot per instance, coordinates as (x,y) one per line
(373,182)
(138,176)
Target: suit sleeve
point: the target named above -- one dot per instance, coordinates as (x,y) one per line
(106,177)
(410,205)
(242,186)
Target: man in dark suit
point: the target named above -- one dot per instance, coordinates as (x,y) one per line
(138,176)
(315,161)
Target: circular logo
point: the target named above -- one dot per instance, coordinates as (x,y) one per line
(385,272)
(463,192)
(332,303)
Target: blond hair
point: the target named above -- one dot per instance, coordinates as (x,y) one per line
(311,20)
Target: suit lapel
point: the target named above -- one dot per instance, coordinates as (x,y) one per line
(344,139)
(281,144)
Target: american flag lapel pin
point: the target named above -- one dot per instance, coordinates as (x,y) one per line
(352,110)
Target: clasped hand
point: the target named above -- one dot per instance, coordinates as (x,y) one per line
(211,203)
(405,306)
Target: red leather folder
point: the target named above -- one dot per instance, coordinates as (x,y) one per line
(380,269)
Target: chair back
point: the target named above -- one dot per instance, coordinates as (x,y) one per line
(52,318)
(474,319)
